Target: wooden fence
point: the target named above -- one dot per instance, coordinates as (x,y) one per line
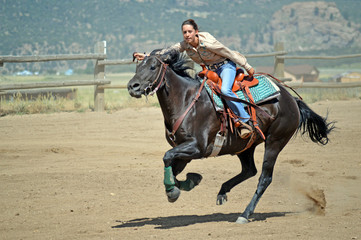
(279,68)
(101,83)
(99,75)
(279,55)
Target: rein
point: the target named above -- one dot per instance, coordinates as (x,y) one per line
(261,111)
(181,118)
(195,99)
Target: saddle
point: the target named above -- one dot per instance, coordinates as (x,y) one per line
(240,80)
(241,83)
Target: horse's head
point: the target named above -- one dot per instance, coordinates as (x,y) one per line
(150,74)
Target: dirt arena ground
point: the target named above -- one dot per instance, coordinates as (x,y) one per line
(99,176)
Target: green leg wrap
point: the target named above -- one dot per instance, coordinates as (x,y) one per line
(168,179)
(186,185)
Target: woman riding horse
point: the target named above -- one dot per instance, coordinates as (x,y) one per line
(182,97)
(203,48)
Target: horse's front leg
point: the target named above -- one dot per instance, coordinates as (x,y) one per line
(175,161)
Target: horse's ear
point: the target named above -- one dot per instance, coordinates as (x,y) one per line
(166,58)
(169,56)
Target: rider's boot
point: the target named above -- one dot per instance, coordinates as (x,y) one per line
(244,129)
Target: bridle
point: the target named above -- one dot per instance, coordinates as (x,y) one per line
(160,79)
(148,90)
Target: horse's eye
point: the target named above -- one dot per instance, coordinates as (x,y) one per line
(152,67)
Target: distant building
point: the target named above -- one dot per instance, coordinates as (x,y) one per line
(24,73)
(69,72)
(298,73)
(303,73)
(347,77)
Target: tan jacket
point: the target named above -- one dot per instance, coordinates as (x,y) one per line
(211,51)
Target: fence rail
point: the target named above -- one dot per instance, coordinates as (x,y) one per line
(272,54)
(46,58)
(324,85)
(66,83)
(115,62)
(99,76)
(320,57)
(101,83)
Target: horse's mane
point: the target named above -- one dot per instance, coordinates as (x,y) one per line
(177,61)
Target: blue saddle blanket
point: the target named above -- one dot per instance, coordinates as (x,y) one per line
(265,90)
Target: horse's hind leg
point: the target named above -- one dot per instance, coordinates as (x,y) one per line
(272,149)
(248,170)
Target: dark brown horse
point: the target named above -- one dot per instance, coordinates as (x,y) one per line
(194,139)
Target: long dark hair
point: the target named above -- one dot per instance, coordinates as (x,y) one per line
(190,22)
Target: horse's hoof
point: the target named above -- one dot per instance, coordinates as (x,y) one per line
(195,178)
(221,199)
(173,194)
(242,220)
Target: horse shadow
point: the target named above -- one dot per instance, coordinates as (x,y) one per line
(186,220)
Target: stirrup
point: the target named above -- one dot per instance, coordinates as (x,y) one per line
(244,133)
(244,130)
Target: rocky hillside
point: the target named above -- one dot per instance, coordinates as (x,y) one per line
(313,26)
(68,26)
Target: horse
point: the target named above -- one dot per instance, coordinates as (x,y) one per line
(191,125)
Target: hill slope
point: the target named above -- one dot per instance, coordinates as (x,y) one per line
(54,27)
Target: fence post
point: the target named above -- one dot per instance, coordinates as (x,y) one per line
(99,74)
(279,67)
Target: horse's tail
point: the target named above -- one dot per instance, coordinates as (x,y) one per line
(316,126)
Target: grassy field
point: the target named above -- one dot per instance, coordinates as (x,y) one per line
(116,99)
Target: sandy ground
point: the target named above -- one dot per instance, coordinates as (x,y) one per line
(99,176)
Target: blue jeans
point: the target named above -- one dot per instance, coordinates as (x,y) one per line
(228,72)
